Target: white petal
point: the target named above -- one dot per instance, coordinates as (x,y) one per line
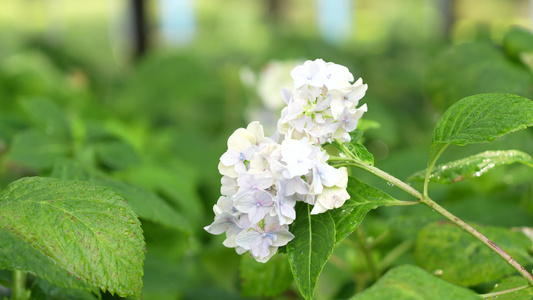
(256,214)
(245,239)
(230,157)
(239,250)
(256,129)
(227,171)
(330,175)
(318,209)
(343,182)
(337,106)
(245,203)
(240,140)
(286,95)
(333,197)
(230,240)
(224,204)
(283,236)
(272,251)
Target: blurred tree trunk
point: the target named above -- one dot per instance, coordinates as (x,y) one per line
(274,9)
(449,16)
(140,34)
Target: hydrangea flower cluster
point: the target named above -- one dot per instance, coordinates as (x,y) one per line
(263,177)
(323,105)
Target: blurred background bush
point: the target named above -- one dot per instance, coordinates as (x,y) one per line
(147,92)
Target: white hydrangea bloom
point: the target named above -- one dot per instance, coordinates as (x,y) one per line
(323,104)
(263,178)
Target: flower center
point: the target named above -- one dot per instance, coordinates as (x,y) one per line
(268,235)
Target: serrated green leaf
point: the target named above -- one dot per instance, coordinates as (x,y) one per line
(511,283)
(34,149)
(265,279)
(463,259)
(360,152)
(413,283)
(473,166)
(145,203)
(84,228)
(363,198)
(480,119)
(17,254)
(117,155)
(48,117)
(311,247)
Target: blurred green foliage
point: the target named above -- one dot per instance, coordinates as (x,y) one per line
(154,133)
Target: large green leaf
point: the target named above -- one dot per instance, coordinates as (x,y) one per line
(34,149)
(473,166)
(265,279)
(511,283)
(479,119)
(363,198)
(413,283)
(146,204)
(17,254)
(464,260)
(483,118)
(313,243)
(84,228)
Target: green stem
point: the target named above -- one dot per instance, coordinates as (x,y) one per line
(442,211)
(430,167)
(19,285)
(462,224)
(495,294)
(368,254)
(386,176)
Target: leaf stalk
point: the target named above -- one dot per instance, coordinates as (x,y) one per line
(18,291)
(499,293)
(353,161)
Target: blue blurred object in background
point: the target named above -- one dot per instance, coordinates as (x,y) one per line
(335,20)
(177,21)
